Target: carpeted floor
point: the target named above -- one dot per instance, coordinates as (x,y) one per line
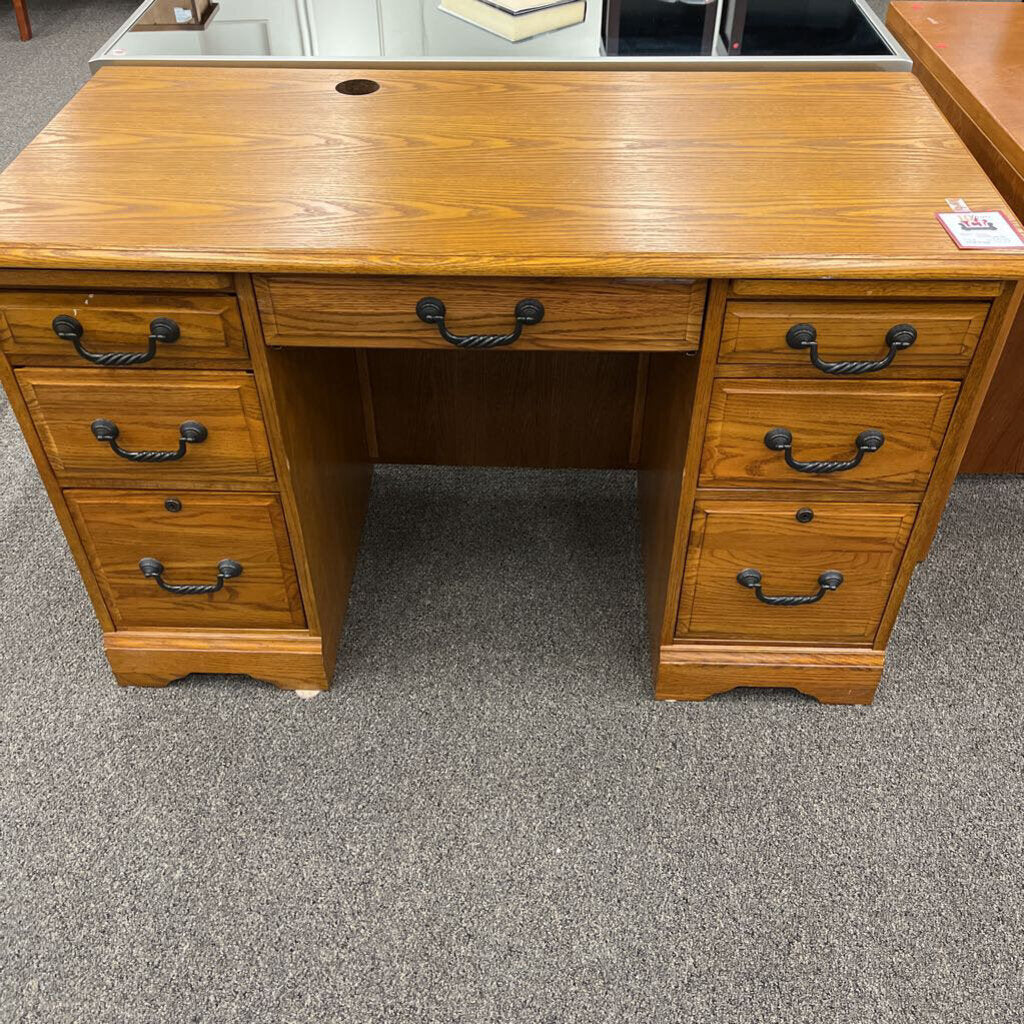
(488,820)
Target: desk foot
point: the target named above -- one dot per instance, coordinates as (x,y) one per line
(291,660)
(832,675)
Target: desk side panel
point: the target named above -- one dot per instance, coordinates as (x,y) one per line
(314,417)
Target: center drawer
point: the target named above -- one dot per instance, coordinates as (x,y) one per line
(388,312)
(818,572)
(231,548)
(149,429)
(825,435)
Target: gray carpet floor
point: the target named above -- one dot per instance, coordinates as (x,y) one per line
(488,819)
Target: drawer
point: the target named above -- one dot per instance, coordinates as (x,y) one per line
(827,435)
(208,327)
(77,412)
(946,333)
(789,551)
(195,546)
(381,312)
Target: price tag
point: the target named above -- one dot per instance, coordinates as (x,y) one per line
(981,230)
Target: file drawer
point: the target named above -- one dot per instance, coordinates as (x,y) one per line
(841,435)
(814,572)
(149,430)
(124,331)
(224,559)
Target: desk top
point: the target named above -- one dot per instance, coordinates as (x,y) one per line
(976,52)
(472,172)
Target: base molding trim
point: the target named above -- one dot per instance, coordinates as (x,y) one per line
(833,675)
(291,660)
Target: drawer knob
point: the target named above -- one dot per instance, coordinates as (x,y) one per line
(779,439)
(190,432)
(899,337)
(828,580)
(162,329)
(153,569)
(432,311)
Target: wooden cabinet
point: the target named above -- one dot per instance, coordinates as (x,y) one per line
(846,435)
(190,538)
(838,557)
(150,430)
(199,330)
(824,459)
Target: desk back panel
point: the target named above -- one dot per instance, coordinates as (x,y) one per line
(501,408)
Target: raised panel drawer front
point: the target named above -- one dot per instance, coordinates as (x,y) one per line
(482,312)
(850,338)
(126,332)
(224,558)
(812,572)
(827,436)
(151,429)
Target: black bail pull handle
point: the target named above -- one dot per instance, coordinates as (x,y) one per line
(153,569)
(779,439)
(190,432)
(432,311)
(827,581)
(805,336)
(162,329)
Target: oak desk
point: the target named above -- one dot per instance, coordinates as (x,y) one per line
(228,293)
(970,58)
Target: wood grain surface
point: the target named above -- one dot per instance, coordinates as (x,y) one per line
(149,410)
(504,408)
(862,541)
(669,404)
(597,174)
(380,312)
(291,659)
(318,436)
(833,675)
(119,528)
(211,332)
(755,332)
(976,52)
(825,419)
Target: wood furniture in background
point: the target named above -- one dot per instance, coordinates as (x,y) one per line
(732,283)
(24,25)
(970,58)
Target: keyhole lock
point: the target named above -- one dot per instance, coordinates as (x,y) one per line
(804,515)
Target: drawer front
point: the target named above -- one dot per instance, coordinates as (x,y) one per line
(946,333)
(863,543)
(120,529)
(209,329)
(825,436)
(152,413)
(381,312)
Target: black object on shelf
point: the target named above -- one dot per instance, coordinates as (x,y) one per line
(659,28)
(798,28)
